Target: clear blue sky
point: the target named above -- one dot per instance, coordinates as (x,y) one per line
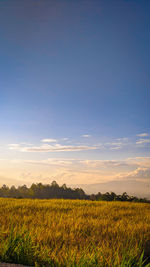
(70,68)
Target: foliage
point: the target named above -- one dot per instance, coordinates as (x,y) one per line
(74,233)
(43,191)
(53,190)
(114,197)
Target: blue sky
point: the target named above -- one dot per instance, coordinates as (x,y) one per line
(74,68)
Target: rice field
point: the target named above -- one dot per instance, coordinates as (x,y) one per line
(74,233)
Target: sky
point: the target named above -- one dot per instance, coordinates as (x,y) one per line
(74,91)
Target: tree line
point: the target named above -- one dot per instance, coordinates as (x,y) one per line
(53,190)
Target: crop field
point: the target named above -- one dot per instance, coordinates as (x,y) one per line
(74,233)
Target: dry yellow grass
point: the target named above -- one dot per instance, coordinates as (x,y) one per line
(74,232)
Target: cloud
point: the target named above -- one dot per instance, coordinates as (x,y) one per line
(14,146)
(49,140)
(72,170)
(114,145)
(139,173)
(124,139)
(143,173)
(50,145)
(139,162)
(137,168)
(117,143)
(111,164)
(50,148)
(142,141)
(115,148)
(108,166)
(143,134)
(51,161)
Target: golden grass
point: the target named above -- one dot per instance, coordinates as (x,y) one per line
(74,232)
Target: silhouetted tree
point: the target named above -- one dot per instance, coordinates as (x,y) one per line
(53,190)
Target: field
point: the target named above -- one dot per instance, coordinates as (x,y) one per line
(74,233)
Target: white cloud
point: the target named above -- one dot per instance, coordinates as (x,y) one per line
(49,140)
(124,139)
(142,141)
(142,162)
(101,164)
(51,145)
(114,145)
(115,148)
(118,143)
(139,173)
(51,161)
(51,148)
(143,134)
(71,170)
(14,146)
(107,164)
